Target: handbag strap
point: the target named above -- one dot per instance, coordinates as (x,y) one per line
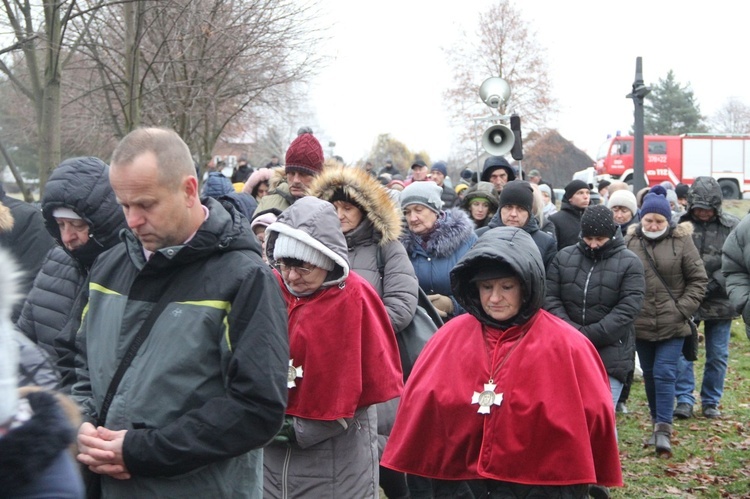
(422,300)
(664,283)
(130,354)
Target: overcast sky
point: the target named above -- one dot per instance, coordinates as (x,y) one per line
(388,72)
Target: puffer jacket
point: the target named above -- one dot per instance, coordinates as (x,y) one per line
(52,312)
(22,233)
(735,267)
(567,224)
(434,258)
(600,293)
(709,237)
(544,241)
(680,265)
(378,232)
(217,185)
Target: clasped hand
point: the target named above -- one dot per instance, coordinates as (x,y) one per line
(101,450)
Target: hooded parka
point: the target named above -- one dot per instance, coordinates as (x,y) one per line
(378,232)
(709,237)
(52,312)
(680,265)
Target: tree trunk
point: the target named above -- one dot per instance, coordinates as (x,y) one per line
(49,121)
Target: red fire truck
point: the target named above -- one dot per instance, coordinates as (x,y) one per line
(681,158)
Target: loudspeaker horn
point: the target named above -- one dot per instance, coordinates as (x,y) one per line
(494,92)
(498,140)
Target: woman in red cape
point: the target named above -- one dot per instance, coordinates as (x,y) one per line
(343,360)
(507,398)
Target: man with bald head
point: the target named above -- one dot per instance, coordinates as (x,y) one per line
(189,304)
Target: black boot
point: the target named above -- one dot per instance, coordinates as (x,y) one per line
(663,437)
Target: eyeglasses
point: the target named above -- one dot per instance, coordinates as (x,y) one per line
(285,269)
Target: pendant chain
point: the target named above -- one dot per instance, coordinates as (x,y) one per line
(490,358)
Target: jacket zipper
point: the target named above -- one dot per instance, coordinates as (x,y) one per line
(285,474)
(585,294)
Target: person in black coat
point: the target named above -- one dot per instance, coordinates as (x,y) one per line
(516,210)
(22,232)
(81,213)
(568,220)
(597,286)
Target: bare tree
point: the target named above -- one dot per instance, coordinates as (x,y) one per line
(206,69)
(733,117)
(503,46)
(40,34)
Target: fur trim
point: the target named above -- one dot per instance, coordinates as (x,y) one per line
(6,219)
(451,231)
(683,229)
(27,450)
(278,177)
(360,186)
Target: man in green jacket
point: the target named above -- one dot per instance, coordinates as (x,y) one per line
(206,389)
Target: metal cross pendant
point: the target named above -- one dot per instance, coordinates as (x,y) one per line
(487,398)
(292,373)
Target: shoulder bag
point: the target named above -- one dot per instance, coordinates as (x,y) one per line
(412,339)
(690,347)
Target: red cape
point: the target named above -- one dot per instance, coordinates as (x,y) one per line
(555,426)
(342,339)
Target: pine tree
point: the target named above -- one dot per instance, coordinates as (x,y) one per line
(671,109)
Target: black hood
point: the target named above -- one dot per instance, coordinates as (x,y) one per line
(514,247)
(82,185)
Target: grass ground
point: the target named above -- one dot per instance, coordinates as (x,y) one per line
(711,458)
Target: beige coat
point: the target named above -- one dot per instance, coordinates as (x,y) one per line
(680,265)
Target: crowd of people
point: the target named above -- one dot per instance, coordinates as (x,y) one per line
(244,338)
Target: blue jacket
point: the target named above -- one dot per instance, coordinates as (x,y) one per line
(216,185)
(452,237)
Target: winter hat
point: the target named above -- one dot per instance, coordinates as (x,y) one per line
(602,184)
(305,155)
(342,195)
(440,167)
(597,220)
(8,346)
(575,186)
(424,193)
(63,212)
(672,197)
(682,191)
(461,188)
(255,178)
(656,202)
(493,270)
(623,198)
(535,173)
(396,184)
(545,188)
(418,162)
(493,163)
(519,193)
(263,220)
(288,247)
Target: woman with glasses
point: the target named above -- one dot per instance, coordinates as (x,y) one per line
(343,359)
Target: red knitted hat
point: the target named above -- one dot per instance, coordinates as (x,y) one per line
(305,155)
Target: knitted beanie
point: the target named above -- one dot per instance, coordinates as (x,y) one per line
(289,247)
(682,191)
(597,221)
(656,202)
(575,186)
(440,167)
(305,155)
(519,193)
(623,198)
(424,193)
(545,189)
